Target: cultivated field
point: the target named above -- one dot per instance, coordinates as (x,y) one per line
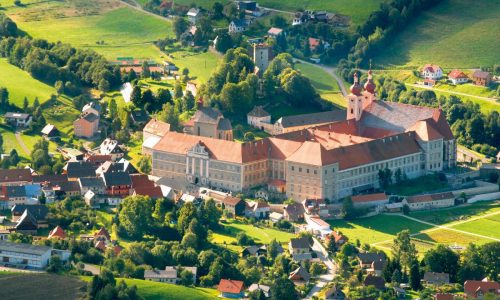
(39,286)
(476,223)
(454,34)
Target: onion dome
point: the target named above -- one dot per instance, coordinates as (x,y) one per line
(369,85)
(355,87)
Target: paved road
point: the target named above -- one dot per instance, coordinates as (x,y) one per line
(325,278)
(493,100)
(21,143)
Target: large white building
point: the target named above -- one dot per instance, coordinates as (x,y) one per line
(26,255)
(329,161)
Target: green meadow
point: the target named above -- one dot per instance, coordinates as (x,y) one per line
(454,34)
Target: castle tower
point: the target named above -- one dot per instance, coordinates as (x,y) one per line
(261,57)
(355,100)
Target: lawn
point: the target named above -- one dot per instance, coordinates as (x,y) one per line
(259,235)
(376,229)
(418,185)
(200,65)
(448,215)
(39,286)
(159,290)
(124,31)
(20,84)
(454,34)
(487,226)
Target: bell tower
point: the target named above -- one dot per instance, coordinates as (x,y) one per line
(355,100)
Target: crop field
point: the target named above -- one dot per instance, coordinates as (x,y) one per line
(160,290)
(39,286)
(379,231)
(454,34)
(107,26)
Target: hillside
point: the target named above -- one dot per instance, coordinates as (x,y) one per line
(107,26)
(454,34)
(39,286)
(357,10)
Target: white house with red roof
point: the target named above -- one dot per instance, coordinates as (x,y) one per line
(318,226)
(233,289)
(457,77)
(431,71)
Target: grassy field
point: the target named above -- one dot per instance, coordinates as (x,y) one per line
(20,84)
(454,34)
(417,186)
(227,235)
(380,230)
(323,82)
(159,290)
(200,65)
(39,286)
(123,30)
(358,10)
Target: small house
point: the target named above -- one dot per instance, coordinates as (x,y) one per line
(370,200)
(233,289)
(275,217)
(275,32)
(294,212)
(193,15)
(265,289)
(317,226)
(87,125)
(439,200)
(334,293)
(139,117)
(366,259)
(436,278)
(112,148)
(17,119)
(300,249)
(50,132)
(257,116)
(431,71)
(57,233)
(457,77)
(257,209)
(237,26)
(481,78)
(234,205)
(377,282)
(300,276)
(477,289)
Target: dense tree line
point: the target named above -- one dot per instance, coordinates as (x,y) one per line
(472,128)
(68,68)
(7,27)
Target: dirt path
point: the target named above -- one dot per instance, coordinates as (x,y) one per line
(330,70)
(21,143)
(136,6)
(492,100)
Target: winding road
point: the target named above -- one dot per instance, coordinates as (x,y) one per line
(493,100)
(324,279)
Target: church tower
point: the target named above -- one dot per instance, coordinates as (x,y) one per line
(355,100)
(360,99)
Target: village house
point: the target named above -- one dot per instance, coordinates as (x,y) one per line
(377,282)
(478,289)
(191,87)
(334,293)
(50,132)
(87,125)
(338,238)
(77,169)
(457,77)
(118,184)
(37,211)
(317,226)
(139,117)
(432,201)
(257,209)
(275,217)
(481,78)
(316,207)
(366,259)
(234,205)
(294,212)
(57,233)
(30,256)
(11,196)
(92,107)
(370,200)
(15,177)
(110,147)
(143,186)
(436,278)
(237,26)
(17,119)
(431,71)
(275,32)
(300,249)
(193,15)
(94,184)
(300,276)
(233,289)
(265,289)
(314,43)
(258,117)
(377,267)
(169,275)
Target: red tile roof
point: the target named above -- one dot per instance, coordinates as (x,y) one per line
(472,287)
(156,127)
(313,43)
(431,68)
(369,198)
(102,232)
(425,130)
(455,74)
(230,286)
(429,198)
(57,232)
(101,246)
(441,296)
